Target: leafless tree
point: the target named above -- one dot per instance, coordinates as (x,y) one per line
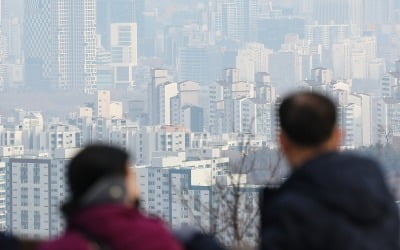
(387,135)
(234,211)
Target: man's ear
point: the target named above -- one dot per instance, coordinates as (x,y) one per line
(337,137)
(283,141)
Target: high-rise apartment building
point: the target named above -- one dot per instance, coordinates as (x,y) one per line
(59,136)
(378,12)
(1,11)
(199,64)
(181,176)
(341,59)
(326,35)
(165,93)
(2,52)
(234,19)
(158,77)
(153,139)
(3,38)
(11,12)
(29,212)
(60,48)
(38,188)
(355,117)
(1,29)
(185,107)
(252,59)
(271,31)
(355,57)
(285,69)
(102,107)
(2,196)
(123,52)
(105,108)
(338,11)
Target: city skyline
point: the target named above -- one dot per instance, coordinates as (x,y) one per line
(190,90)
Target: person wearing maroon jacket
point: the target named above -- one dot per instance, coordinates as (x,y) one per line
(103,211)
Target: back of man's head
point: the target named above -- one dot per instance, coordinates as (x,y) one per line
(307,119)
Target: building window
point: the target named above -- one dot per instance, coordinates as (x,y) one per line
(24,197)
(36,220)
(24,219)
(24,174)
(197,203)
(198,219)
(36,197)
(36,174)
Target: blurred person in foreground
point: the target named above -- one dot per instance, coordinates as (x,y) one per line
(103,211)
(332,200)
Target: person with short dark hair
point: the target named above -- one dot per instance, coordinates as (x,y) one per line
(103,212)
(332,200)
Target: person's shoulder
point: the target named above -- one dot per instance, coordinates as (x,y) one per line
(342,157)
(361,164)
(149,221)
(353,157)
(289,201)
(339,164)
(148,227)
(70,240)
(151,225)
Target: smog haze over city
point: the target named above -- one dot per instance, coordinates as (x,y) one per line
(190,89)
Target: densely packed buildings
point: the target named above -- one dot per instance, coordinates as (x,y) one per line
(191,92)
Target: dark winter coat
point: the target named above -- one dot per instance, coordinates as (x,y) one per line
(120,227)
(333,202)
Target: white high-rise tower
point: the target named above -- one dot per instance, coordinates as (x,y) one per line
(234,19)
(60,48)
(77,44)
(123,43)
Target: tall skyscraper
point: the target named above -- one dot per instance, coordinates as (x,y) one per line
(284,68)
(252,59)
(2,196)
(117,11)
(378,12)
(11,28)
(2,38)
(1,47)
(326,35)
(338,11)
(1,17)
(233,19)
(40,45)
(124,52)
(158,78)
(200,64)
(60,48)
(271,31)
(341,56)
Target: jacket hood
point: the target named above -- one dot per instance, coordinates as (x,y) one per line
(118,226)
(347,184)
(111,217)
